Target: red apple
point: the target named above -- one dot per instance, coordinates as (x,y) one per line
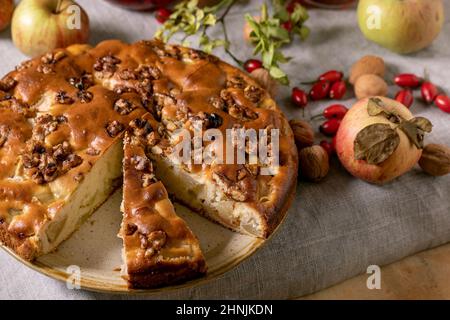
(6,11)
(39,26)
(401,161)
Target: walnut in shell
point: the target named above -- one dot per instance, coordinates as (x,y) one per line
(303,133)
(435,160)
(314,163)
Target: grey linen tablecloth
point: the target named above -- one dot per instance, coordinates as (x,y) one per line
(335,229)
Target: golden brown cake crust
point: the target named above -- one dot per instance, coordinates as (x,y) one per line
(60,113)
(159,248)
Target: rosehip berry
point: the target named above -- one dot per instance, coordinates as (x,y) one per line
(328,147)
(330,127)
(287,25)
(252,64)
(337,111)
(320,90)
(338,90)
(407,80)
(429,92)
(299,97)
(405,97)
(443,102)
(162,14)
(331,76)
(333,143)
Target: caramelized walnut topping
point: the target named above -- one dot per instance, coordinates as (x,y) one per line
(119,89)
(148,72)
(140,127)
(197,54)
(45,165)
(242,113)
(7,83)
(73,160)
(46,124)
(167,51)
(62,98)
(140,163)
(48,60)
(61,151)
(253,93)
(45,68)
(124,107)
(236,110)
(130,229)
(52,58)
(92,151)
(106,66)
(237,190)
(127,74)
(148,179)
(214,120)
(85,96)
(153,242)
(82,83)
(114,128)
(24,65)
(145,90)
(217,102)
(21,107)
(236,81)
(33,153)
(182,113)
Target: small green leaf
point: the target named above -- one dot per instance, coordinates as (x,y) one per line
(276,72)
(304,33)
(210,20)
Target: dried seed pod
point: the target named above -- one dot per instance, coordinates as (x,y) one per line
(303,133)
(435,160)
(314,163)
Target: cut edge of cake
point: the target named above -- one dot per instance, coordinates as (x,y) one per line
(158,246)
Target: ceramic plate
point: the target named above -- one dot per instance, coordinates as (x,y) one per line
(95,250)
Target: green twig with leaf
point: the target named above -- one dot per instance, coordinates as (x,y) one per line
(269,31)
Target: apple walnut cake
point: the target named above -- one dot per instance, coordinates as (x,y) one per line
(69,118)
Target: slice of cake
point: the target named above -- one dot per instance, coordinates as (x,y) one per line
(60,147)
(159,248)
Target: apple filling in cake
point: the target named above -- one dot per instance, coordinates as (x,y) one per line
(159,247)
(63,117)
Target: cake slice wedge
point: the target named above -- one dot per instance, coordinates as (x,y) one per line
(159,248)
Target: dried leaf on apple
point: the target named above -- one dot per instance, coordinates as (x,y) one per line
(376,143)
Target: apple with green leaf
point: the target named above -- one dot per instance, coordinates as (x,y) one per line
(6,11)
(39,26)
(379,139)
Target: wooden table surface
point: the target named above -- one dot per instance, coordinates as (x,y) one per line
(425,275)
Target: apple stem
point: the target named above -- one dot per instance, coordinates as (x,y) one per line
(58,7)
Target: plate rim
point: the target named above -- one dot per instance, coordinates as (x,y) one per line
(84,285)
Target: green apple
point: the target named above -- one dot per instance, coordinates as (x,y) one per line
(403,26)
(39,26)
